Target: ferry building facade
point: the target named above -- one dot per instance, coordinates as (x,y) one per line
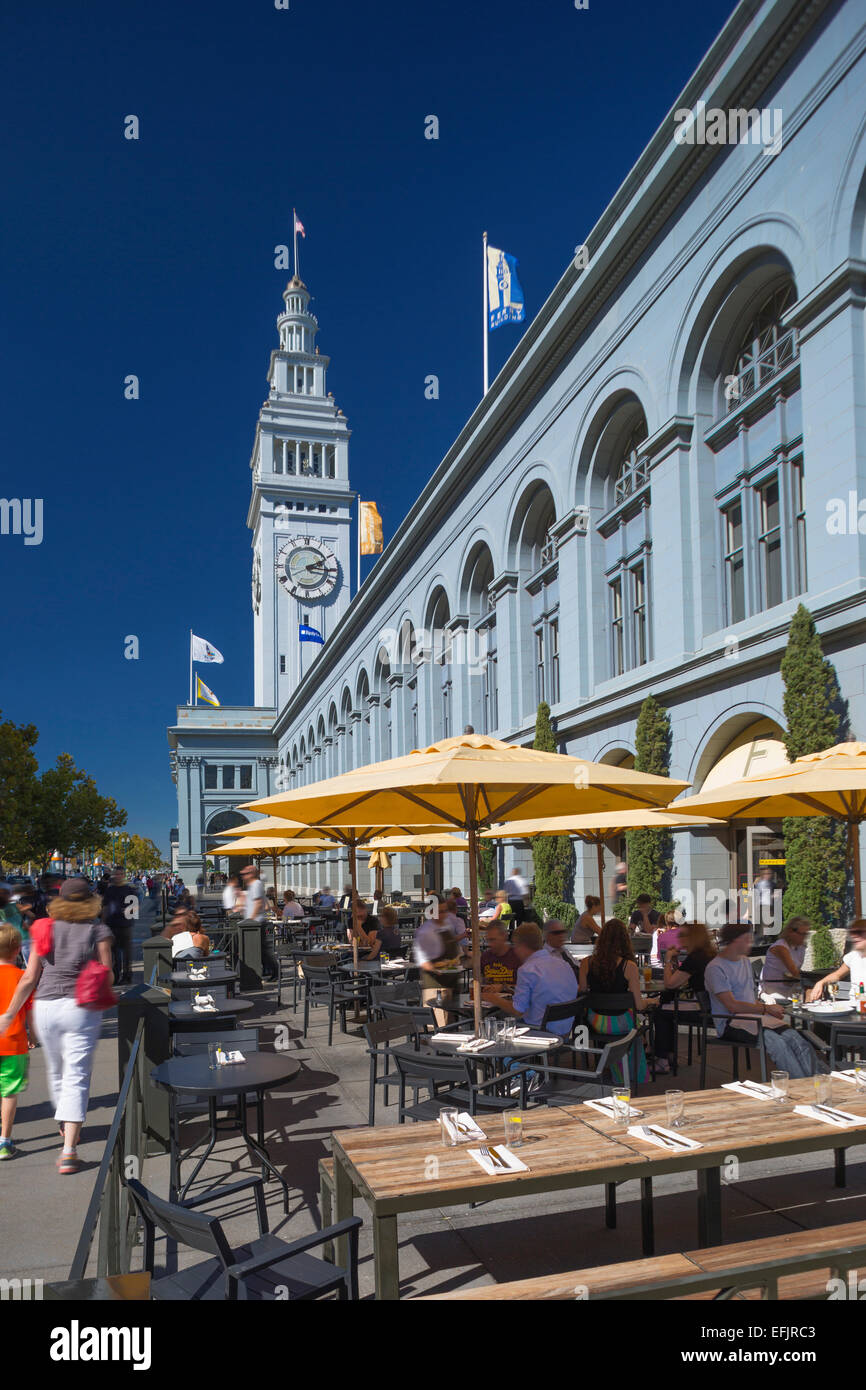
(672,459)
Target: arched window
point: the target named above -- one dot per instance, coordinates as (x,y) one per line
(481,658)
(757,443)
(626,531)
(538,601)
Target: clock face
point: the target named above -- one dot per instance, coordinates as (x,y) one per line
(306,568)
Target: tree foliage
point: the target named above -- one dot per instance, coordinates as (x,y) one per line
(18,769)
(814,845)
(650,854)
(65,813)
(551,854)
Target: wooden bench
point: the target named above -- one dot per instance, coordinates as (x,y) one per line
(797,1265)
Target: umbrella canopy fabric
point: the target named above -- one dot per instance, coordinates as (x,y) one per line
(470,782)
(379,859)
(269,844)
(595,829)
(419,844)
(830,783)
(265,825)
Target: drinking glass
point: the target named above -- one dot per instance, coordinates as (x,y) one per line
(213,1055)
(831,990)
(513,1122)
(796,999)
(823,1084)
(674,1100)
(448,1125)
(621,1097)
(860,1076)
(780,1085)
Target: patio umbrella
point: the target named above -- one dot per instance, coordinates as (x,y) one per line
(255,846)
(380,861)
(831,783)
(469,782)
(595,829)
(421,844)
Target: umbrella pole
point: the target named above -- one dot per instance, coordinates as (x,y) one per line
(473,917)
(854,842)
(353,874)
(599,849)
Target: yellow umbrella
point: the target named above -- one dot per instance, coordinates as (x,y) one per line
(470,782)
(380,861)
(265,825)
(254,846)
(594,829)
(831,783)
(421,844)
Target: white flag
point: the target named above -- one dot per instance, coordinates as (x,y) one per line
(203,651)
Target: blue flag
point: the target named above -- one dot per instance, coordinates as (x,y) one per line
(504,292)
(309,634)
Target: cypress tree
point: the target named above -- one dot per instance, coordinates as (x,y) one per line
(551,854)
(650,852)
(814,845)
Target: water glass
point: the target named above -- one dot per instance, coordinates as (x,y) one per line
(513,1122)
(823,1084)
(621,1097)
(860,1076)
(214,1052)
(675,1100)
(780,1085)
(448,1125)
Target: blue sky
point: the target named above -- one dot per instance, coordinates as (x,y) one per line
(156,257)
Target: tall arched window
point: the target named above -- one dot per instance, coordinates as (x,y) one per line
(538,565)
(481,662)
(625,529)
(757,443)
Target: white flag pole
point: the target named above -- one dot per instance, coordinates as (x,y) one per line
(295,233)
(190,665)
(486,310)
(359,541)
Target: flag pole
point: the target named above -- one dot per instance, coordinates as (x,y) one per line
(295,234)
(359,542)
(190,665)
(486,308)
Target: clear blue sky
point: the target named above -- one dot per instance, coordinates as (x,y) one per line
(156,258)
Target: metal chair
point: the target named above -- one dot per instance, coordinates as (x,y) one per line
(380,1038)
(715,1040)
(843,1042)
(451,1081)
(406,992)
(583,1083)
(325,983)
(264,1268)
(423,1018)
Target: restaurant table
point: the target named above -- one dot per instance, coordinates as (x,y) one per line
(216,975)
(514,1049)
(575,1146)
(376,967)
(192,1076)
(184,1010)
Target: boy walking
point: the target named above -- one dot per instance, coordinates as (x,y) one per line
(14,1048)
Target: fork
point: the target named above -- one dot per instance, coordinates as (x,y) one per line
(494,1158)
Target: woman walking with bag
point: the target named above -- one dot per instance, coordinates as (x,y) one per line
(70,970)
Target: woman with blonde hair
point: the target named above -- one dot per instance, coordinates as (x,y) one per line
(64,943)
(680,974)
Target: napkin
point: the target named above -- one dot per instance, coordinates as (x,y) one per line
(766,1092)
(812,1114)
(534,1041)
(477,1044)
(681,1141)
(493,1168)
(203,999)
(204,1009)
(449,1037)
(227,1058)
(464,1122)
(606,1107)
(845,1076)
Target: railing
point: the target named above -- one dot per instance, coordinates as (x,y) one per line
(771,362)
(110,1207)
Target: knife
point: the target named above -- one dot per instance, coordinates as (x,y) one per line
(828,1110)
(497,1156)
(668,1138)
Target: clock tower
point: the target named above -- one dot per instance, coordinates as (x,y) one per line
(301,508)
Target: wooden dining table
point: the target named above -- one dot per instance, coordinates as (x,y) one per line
(406,1168)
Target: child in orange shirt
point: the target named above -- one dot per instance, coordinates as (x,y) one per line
(14,1047)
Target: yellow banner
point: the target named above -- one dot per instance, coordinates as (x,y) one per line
(371,529)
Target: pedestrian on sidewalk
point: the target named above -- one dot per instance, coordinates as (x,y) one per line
(64,942)
(120,904)
(14,1046)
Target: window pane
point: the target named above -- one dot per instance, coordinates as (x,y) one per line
(736,589)
(210,777)
(246,777)
(772,549)
(228,777)
(618,653)
(734,519)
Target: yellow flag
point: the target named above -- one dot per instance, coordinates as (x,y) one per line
(205,693)
(371,529)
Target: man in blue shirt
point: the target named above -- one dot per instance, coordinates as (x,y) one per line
(543,977)
(326,899)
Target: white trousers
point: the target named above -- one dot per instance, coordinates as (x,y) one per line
(69,1035)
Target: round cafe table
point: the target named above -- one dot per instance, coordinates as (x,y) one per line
(216,975)
(193,1076)
(185,1011)
(512,1049)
